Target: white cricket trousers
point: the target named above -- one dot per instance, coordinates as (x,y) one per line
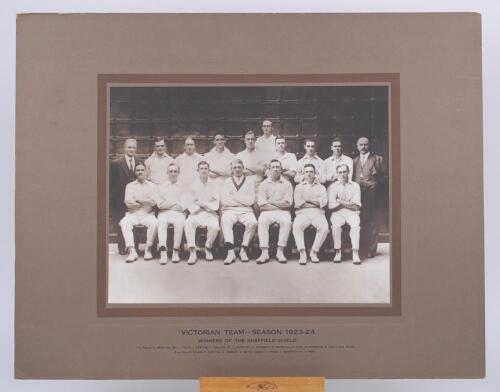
(267,218)
(305,218)
(174,218)
(201,219)
(230,217)
(338,219)
(132,219)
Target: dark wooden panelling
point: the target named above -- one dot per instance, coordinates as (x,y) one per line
(123,129)
(271,93)
(120,94)
(271,109)
(235,128)
(215,126)
(235,144)
(288,128)
(320,112)
(297,112)
(308,128)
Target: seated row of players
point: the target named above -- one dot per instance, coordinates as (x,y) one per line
(235,200)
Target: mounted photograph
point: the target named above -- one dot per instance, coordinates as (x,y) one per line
(248,193)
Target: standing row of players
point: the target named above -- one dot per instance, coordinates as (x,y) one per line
(223,172)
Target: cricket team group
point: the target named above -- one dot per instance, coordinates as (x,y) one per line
(262,185)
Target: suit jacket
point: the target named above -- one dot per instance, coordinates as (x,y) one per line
(372,173)
(119,176)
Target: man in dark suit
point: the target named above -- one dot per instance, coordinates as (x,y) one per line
(369,172)
(121,172)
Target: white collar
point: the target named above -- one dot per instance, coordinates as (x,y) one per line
(315,182)
(171,183)
(269,179)
(214,150)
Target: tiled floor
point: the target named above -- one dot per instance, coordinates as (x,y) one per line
(213,282)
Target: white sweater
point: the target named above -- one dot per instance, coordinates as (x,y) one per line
(240,200)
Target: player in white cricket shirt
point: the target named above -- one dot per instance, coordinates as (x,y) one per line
(344,200)
(203,212)
(140,198)
(188,163)
(254,166)
(310,158)
(287,159)
(237,199)
(337,158)
(275,199)
(219,158)
(265,144)
(172,204)
(310,198)
(158,161)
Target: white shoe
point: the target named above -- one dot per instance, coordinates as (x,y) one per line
(314,257)
(231,257)
(280,256)
(132,255)
(303,258)
(147,254)
(192,258)
(163,257)
(338,256)
(175,256)
(243,255)
(264,257)
(208,255)
(355,257)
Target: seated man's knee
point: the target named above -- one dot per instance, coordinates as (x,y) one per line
(163,220)
(263,220)
(225,220)
(251,223)
(354,222)
(153,224)
(337,225)
(322,226)
(125,222)
(179,222)
(285,221)
(213,226)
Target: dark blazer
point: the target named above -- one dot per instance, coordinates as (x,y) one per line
(373,172)
(119,176)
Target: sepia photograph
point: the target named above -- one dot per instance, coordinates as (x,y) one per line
(249,194)
(230,194)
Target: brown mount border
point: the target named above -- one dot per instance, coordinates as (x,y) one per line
(198,310)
